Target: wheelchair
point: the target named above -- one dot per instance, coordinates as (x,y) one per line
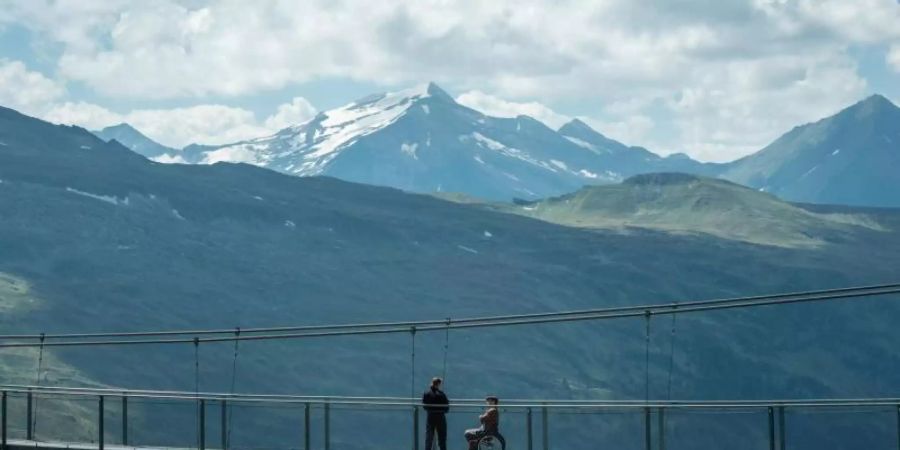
(490,441)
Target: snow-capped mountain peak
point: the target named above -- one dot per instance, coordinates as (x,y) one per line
(305,149)
(421,140)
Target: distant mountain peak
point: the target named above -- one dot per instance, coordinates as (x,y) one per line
(437,92)
(575,124)
(877,98)
(849,158)
(122,128)
(576,128)
(417,92)
(133,139)
(873,104)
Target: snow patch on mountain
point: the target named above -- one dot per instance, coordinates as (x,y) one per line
(103,198)
(307,148)
(247,153)
(487,142)
(169,159)
(585,144)
(467,249)
(491,144)
(359,119)
(410,149)
(559,164)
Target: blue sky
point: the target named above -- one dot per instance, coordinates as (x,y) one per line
(714,79)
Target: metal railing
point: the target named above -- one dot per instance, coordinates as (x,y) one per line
(654,413)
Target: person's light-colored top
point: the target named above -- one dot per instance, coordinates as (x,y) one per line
(491,420)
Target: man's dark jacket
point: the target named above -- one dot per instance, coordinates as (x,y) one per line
(435,401)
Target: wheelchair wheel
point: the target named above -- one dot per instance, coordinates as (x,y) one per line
(490,442)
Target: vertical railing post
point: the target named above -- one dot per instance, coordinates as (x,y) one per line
(3,420)
(124,419)
(202,424)
(545,427)
(648,444)
(306,426)
(528,430)
(327,425)
(661,425)
(415,434)
(223,424)
(100,430)
(29,431)
(781,442)
(771,428)
(898,427)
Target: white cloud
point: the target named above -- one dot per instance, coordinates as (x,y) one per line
(24,90)
(86,115)
(206,124)
(169,159)
(33,93)
(629,130)
(740,107)
(893,57)
(178,127)
(299,110)
(728,75)
(495,106)
(164,48)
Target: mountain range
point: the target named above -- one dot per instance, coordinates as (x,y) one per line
(421,140)
(95,237)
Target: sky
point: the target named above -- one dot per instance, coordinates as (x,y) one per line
(716,79)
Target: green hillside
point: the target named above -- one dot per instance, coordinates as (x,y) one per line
(680,203)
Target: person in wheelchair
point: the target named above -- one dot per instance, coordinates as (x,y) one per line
(490,426)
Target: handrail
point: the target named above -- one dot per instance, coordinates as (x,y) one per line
(406,402)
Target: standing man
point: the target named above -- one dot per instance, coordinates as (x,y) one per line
(436,405)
